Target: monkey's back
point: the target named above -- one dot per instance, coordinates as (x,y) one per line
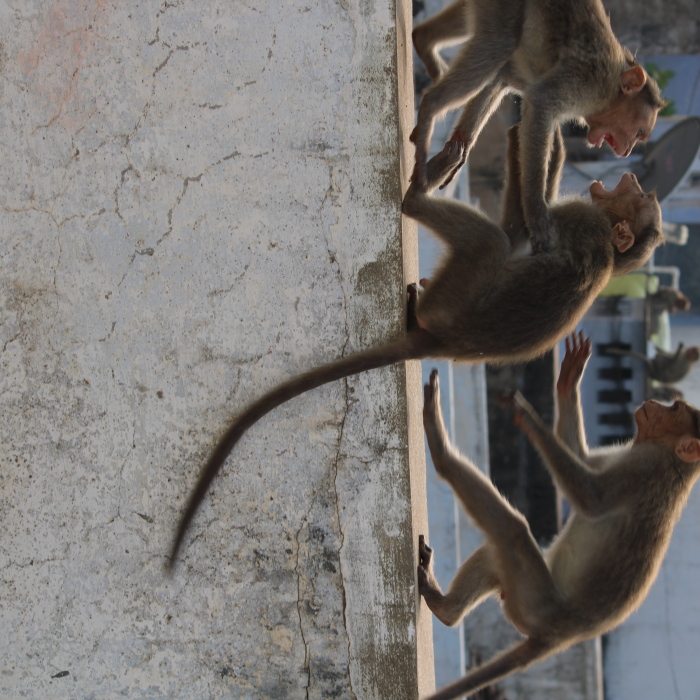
(537,300)
(605,567)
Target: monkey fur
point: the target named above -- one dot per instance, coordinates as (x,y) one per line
(484,304)
(561,56)
(625,500)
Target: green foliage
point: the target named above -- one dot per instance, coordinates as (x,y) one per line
(662,76)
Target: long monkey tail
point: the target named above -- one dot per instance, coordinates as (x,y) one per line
(629,353)
(518,657)
(417,345)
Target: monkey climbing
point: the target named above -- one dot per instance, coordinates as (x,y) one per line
(599,569)
(490,300)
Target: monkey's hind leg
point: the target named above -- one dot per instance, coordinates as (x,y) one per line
(531,600)
(443,29)
(473,582)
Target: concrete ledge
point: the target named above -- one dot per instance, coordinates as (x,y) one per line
(200,200)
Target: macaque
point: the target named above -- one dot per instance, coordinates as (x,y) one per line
(561,56)
(491,300)
(666,299)
(625,500)
(665,367)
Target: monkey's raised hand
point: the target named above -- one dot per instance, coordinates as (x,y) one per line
(578,351)
(524,415)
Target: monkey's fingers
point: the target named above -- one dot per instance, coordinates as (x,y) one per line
(462,152)
(578,351)
(431,391)
(425,553)
(451,176)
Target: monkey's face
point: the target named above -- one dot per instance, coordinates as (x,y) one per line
(627,202)
(665,424)
(627,121)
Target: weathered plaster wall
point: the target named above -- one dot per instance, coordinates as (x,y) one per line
(197,200)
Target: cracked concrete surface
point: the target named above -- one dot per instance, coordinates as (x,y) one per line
(198,200)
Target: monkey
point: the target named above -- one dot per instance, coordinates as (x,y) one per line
(665,367)
(625,499)
(561,57)
(484,304)
(663,392)
(666,299)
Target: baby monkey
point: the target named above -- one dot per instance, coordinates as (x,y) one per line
(561,56)
(490,300)
(625,500)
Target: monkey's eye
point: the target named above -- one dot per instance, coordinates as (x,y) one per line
(641,135)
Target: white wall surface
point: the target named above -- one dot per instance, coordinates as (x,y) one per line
(198,200)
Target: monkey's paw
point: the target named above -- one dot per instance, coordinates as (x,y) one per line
(425,555)
(431,396)
(413,294)
(446,164)
(578,351)
(517,403)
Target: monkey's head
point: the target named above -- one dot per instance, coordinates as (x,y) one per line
(692,354)
(631,116)
(635,219)
(681,302)
(675,427)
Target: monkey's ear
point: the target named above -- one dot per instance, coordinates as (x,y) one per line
(622,236)
(633,80)
(688,449)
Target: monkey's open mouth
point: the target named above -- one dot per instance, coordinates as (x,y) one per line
(610,141)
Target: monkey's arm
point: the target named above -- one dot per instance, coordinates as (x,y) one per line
(557,156)
(513,217)
(591,493)
(544,103)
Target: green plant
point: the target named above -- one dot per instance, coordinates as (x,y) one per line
(662,76)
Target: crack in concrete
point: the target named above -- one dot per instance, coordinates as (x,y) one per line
(307,648)
(11,340)
(341,534)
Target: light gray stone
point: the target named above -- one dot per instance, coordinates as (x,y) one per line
(198,200)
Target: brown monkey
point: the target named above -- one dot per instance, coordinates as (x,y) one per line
(600,567)
(561,56)
(666,299)
(490,301)
(665,367)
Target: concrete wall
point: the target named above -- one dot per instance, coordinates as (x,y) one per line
(198,200)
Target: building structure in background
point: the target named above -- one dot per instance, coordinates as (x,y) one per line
(652,654)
